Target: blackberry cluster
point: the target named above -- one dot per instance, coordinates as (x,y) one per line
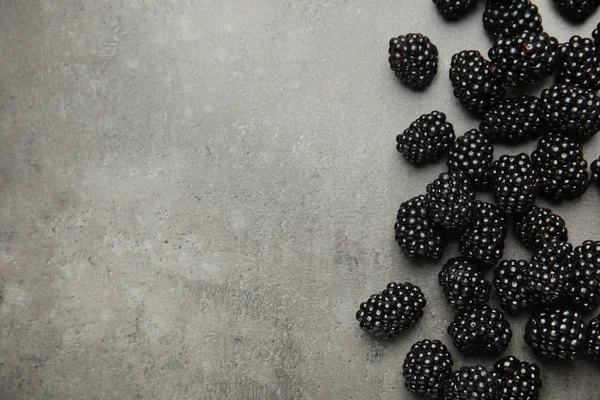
(480,329)
(579,64)
(540,225)
(450,200)
(426,367)
(577,10)
(503,18)
(586,288)
(452,9)
(483,241)
(397,308)
(414,60)
(551,273)
(510,283)
(514,183)
(571,110)
(557,333)
(514,120)
(463,284)
(519,380)
(595,168)
(470,383)
(426,139)
(593,338)
(472,154)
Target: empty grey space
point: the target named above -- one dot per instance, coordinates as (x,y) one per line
(195,196)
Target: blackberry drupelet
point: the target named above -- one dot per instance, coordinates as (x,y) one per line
(519,380)
(593,338)
(397,308)
(470,383)
(556,333)
(514,120)
(481,329)
(571,110)
(414,60)
(426,367)
(551,273)
(595,168)
(596,37)
(577,10)
(540,225)
(475,85)
(510,283)
(426,139)
(472,154)
(503,18)
(483,241)
(579,64)
(514,183)
(452,9)
(464,284)
(416,234)
(450,200)
(586,290)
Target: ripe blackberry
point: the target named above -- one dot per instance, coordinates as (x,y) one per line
(579,64)
(483,241)
(595,168)
(571,110)
(540,225)
(426,367)
(514,183)
(519,380)
(475,85)
(556,333)
(551,273)
(586,289)
(481,329)
(472,154)
(452,9)
(426,139)
(503,18)
(464,284)
(387,314)
(514,120)
(450,200)
(510,283)
(471,383)
(525,58)
(593,338)
(416,234)
(577,10)
(414,60)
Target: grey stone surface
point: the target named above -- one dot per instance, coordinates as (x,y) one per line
(196,195)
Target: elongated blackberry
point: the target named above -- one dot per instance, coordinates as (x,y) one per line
(452,9)
(414,60)
(510,283)
(556,333)
(426,139)
(397,308)
(519,380)
(514,120)
(592,344)
(463,284)
(450,200)
(472,154)
(571,110)
(595,168)
(586,289)
(551,273)
(480,329)
(470,383)
(579,64)
(514,183)
(502,18)
(483,241)
(426,367)
(540,225)
(577,10)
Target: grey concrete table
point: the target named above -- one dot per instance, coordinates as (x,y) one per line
(196,196)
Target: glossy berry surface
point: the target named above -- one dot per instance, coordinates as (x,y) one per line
(452,9)
(483,241)
(414,60)
(480,330)
(571,110)
(510,284)
(592,344)
(577,10)
(540,225)
(471,383)
(472,154)
(426,367)
(464,285)
(519,380)
(556,333)
(426,139)
(515,183)
(514,120)
(586,287)
(503,18)
(579,63)
(450,199)
(551,273)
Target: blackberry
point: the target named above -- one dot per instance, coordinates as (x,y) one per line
(426,139)
(450,200)
(556,334)
(514,183)
(571,110)
(483,240)
(397,308)
(510,283)
(579,64)
(586,289)
(577,10)
(471,383)
(525,58)
(519,380)
(414,60)
(475,85)
(540,225)
(514,120)
(481,329)
(426,367)
(595,168)
(452,9)
(416,234)
(463,284)
(503,18)
(593,338)
(472,154)
(551,273)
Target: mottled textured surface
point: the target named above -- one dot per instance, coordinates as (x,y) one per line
(195,196)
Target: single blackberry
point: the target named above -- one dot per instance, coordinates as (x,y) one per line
(471,383)
(414,60)
(416,234)
(464,284)
(426,367)
(481,329)
(540,225)
(475,85)
(556,333)
(579,64)
(514,183)
(514,120)
(472,154)
(510,283)
(452,9)
(483,241)
(577,10)
(586,289)
(503,18)
(593,338)
(450,200)
(525,58)
(397,308)
(551,273)
(571,110)
(519,380)
(426,139)
(595,168)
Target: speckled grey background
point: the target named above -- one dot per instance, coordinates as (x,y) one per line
(196,195)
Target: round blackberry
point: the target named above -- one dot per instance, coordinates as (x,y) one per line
(503,18)
(450,200)
(416,234)
(397,308)
(540,225)
(472,154)
(571,110)
(556,334)
(414,60)
(463,284)
(426,367)
(514,183)
(593,338)
(510,283)
(475,85)
(426,139)
(514,120)
(481,329)
(519,380)
(452,9)
(595,168)
(577,10)
(551,273)
(471,383)
(579,64)
(586,289)
(525,58)
(483,241)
